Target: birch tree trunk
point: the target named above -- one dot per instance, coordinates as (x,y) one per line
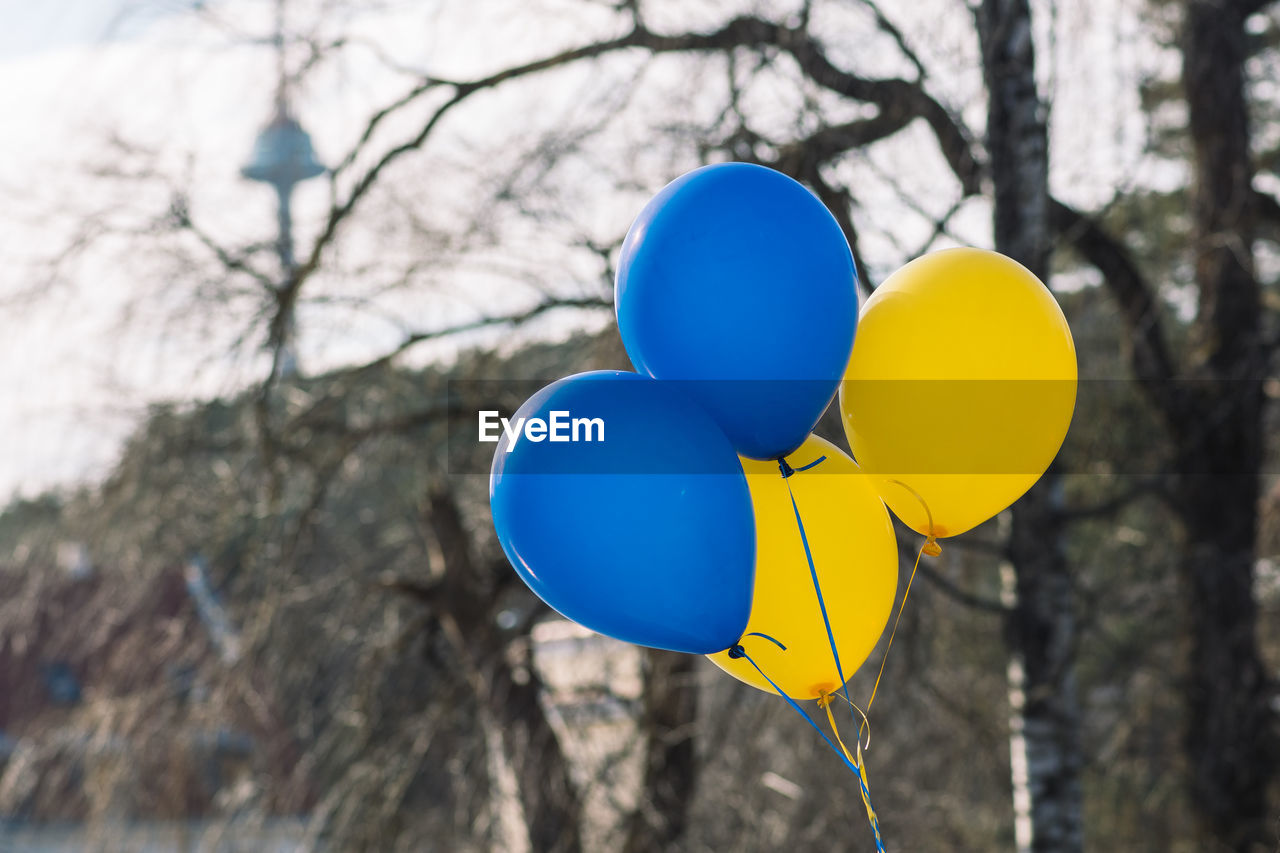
(1045,742)
(512,705)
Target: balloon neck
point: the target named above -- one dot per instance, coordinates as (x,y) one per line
(931,547)
(737,652)
(787,470)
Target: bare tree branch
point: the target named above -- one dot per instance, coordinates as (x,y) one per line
(890,29)
(960,596)
(181,217)
(900,102)
(950,589)
(1152,362)
(840,202)
(518,319)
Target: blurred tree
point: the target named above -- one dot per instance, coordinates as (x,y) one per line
(513,712)
(670,760)
(371,590)
(1211,400)
(1218,426)
(1042,625)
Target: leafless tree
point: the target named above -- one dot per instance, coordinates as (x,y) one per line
(438,719)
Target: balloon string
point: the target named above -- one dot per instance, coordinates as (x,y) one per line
(787,471)
(865,724)
(767,637)
(824,702)
(811,464)
(933,549)
(892,634)
(813,574)
(931,546)
(739,652)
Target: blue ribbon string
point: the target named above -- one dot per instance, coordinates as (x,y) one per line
(739,652)
(767,637)
(787,471)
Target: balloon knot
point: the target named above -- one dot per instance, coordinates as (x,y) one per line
(931,547)
(786,469)
(737,652)
(824,699)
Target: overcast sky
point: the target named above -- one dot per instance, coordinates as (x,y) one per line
(52,24)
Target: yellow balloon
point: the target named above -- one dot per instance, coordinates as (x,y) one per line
(856,558)
(960,388)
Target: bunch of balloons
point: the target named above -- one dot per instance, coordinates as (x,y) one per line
(709,519)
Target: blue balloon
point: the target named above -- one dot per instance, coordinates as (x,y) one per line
(737,277)
(641,529)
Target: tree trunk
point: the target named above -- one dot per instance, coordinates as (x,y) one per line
(547,795)
(1041,632)
(670,765)
(1228,737)
(549,800)
(1219,434)
(1041,628)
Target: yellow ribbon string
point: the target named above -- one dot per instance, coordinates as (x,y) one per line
(933,549)
(865,725)
(824,702)
(930,547)
(924,549)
